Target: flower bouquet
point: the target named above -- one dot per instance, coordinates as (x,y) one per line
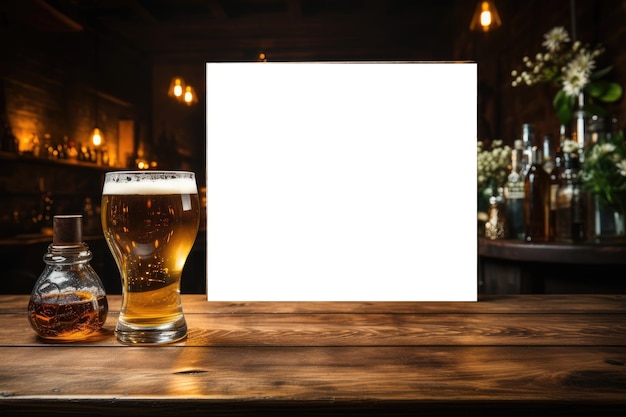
(604,172)
(571,67)
(493,168)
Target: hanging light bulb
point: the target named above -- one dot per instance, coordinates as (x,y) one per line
(177,86)
(486,17)
(190,96)
(96,137)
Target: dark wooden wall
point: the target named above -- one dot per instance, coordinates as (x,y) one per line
(502,108)
(49,83)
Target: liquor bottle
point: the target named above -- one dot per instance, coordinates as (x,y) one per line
(580,126)
(548,154)
(514,194)
(571,209)
(536,200)
(555,179)
(68,301)
(72,151)
(564,135)
(528,141)
(496,225)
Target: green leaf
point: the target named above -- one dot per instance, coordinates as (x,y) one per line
(594,109)
(564,106)
(604,91)
(601,73)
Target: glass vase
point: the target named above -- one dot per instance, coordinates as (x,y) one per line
(606,224)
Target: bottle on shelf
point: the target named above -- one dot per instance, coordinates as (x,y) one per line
(45,148)
(555,179)
(496,225)
(43,219)
(528,141)
(536,200)
(514,193)
(548,153)
(580,126)
(35,144)
(570,202)
(564,135)
(72,151)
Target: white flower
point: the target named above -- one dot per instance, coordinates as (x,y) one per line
(574,84)
(492,163)
(583,61)
(574,80)
(555,38)
(606,148)
(565,62)
(570,146)
(577,72)
(621,165)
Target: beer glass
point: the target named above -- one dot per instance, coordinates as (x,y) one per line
(150,221)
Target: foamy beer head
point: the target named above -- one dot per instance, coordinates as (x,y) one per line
(149,183)
(151,218)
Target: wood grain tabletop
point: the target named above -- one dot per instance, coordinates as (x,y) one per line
(505,355)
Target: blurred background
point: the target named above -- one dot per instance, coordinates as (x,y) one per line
(68,67)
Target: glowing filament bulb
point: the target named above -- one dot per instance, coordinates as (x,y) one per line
(96,137)
(178,87)
(485,17)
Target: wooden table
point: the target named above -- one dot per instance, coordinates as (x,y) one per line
(503,355)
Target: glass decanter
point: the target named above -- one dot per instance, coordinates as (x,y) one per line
(68,301)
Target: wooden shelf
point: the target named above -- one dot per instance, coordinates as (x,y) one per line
(7,156)
(575,253)
(517,267)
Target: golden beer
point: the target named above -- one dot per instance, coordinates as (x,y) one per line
(150,220)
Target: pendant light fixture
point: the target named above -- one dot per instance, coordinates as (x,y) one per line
(486,17)
(182,92)
(177,88)
(96,137)
(190,96)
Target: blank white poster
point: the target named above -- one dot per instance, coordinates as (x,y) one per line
(351,181)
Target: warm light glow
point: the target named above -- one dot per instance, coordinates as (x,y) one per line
(96,137)
(190,95)
(24,145)
(182,92)
(177,86)
(485,17)
(262,57)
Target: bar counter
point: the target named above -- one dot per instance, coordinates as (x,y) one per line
(503,355)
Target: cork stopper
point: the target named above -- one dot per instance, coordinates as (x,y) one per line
(68,230)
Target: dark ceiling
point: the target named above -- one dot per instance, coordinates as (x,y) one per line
(192,30)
